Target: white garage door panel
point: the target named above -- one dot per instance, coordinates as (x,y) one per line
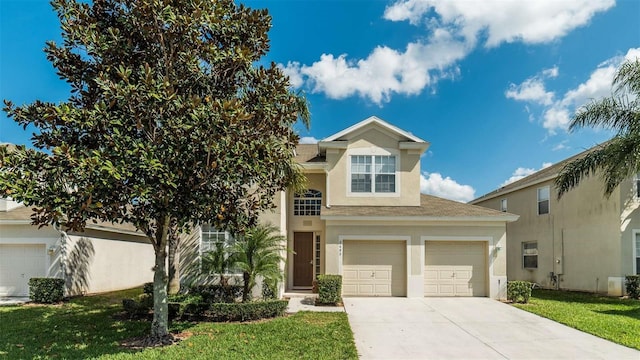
(19,263)
(455,268)
(374,268)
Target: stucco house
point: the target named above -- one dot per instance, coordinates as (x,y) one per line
(104,257)
(584,241)
(363,217)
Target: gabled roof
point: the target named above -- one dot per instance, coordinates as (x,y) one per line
(373,120)
(540,176)
(431,208)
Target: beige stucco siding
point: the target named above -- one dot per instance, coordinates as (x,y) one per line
(580,239)
(373,142)
(94,261)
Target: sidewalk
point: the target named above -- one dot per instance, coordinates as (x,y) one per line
(306,302)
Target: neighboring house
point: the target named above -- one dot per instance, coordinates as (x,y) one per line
(364,218)
(584,241)
(104,257)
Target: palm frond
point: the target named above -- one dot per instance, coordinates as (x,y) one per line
(628,78)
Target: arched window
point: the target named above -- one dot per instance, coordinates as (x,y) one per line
(308,203)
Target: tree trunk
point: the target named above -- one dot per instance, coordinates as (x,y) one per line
(174,262)
(160,324)
(245,289)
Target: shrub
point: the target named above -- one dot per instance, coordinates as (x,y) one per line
(217,293)
(269,289)
(246,311)
(519,291)
(46,290)
(632,284)
(329,289)
(147,288)
(146,301)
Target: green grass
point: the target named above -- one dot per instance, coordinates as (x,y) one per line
(85,328)
(610,318)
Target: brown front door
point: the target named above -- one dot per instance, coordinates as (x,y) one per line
(302,259)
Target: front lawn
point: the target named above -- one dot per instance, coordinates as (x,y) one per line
(86,328)
(610,318)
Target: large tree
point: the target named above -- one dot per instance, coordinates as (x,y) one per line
(171,121)
(619,158)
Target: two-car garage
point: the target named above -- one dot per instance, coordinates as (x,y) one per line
(379,268)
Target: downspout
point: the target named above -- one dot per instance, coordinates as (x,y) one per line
(326,190)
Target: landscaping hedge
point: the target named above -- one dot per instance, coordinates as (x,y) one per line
(46,290)
(632,284)
(217,293)
(222,312)
(329,289)
(519,291)
(147,288)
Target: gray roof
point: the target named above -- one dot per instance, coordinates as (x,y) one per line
(550,172)
(430,207)
(308,153)
(23,213)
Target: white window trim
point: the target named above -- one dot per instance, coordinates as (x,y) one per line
(537,255)
(373,151)
(227,235)
(538,200)
(307,198)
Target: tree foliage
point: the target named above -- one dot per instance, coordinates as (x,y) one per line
(171,119)
(619,158)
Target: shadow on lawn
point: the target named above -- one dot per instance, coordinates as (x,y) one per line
(68,331)
(581,297)
(631,312)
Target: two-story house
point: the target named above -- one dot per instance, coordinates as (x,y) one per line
(584,241)
(363,217)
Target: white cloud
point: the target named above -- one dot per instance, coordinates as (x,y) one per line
(308,140)
(435,184)
(522,172)
(384,72)
(560,146)
(501,20)
(453,30)
(557,113)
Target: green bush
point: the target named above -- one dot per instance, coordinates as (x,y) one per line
(217,293)
(632,284)
(146,301)
(329,289)
(147,288)
(46,290)
(269,289)
(519,291)
(246,311)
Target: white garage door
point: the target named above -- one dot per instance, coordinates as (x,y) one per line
(374,268)
(455,268)
(19,263)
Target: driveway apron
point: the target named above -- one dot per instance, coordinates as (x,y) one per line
(467,328)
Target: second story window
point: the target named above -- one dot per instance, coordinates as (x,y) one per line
(373,174)
(308,203)
(543,200)
(503,205)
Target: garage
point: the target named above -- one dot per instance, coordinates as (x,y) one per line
(374,268)
(455,268)
(19,263)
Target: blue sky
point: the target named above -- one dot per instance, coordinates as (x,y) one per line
(492,85)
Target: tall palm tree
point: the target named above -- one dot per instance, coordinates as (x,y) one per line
(259,253)
(619,158)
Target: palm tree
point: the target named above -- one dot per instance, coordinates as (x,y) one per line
(619,158)
(218,261)
(259,253)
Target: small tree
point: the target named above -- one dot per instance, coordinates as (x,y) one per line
(259,253)
(170,121)
(218,261)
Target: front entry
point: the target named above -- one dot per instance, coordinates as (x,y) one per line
(302,259)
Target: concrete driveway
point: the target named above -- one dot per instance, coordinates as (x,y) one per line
(466,328)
